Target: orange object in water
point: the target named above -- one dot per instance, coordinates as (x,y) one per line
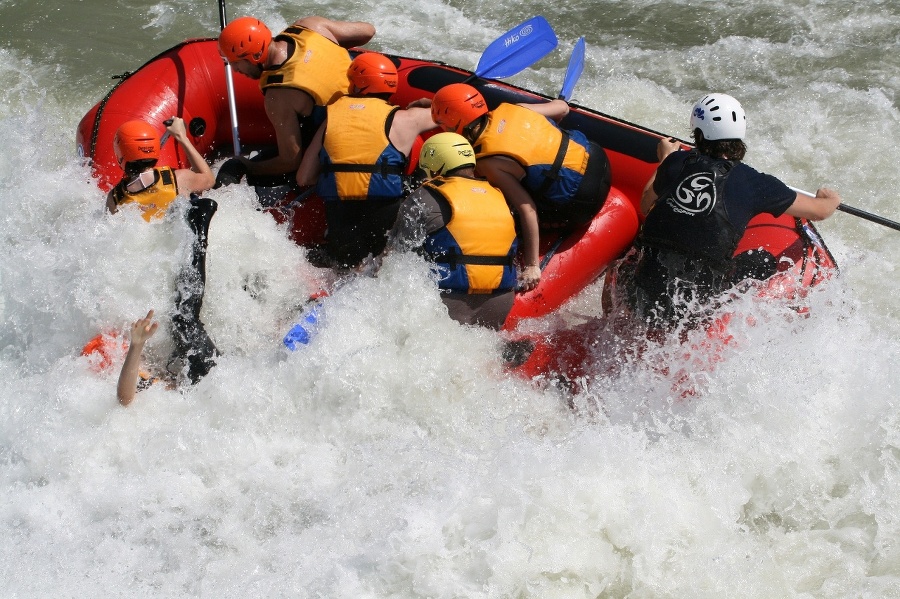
(103,350)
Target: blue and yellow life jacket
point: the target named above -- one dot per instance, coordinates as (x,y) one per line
(554,160)
(475,250)
(317,66)
(358,160)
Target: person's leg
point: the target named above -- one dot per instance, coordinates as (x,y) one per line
(192,343)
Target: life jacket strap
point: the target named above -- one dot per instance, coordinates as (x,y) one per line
(552,173)
(454,259)
(382,168)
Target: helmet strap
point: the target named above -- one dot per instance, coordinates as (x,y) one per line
(474,129)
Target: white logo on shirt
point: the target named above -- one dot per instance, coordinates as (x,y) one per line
(695,195)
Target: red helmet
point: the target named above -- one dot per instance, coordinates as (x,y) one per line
(455,106)
(372,73)
(246,38)
(134,141)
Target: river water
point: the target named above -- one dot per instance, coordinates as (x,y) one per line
(393,457)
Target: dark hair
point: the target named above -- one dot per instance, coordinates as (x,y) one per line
(731,149)
(386,96)
(136,167)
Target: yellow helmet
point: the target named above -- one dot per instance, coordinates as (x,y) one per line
(445,152)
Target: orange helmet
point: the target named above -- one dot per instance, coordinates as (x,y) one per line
(372,73)
(455,106)
(246,38)
(134,141)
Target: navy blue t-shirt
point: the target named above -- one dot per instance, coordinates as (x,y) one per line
(747,192)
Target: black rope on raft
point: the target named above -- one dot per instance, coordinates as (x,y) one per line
(122,78)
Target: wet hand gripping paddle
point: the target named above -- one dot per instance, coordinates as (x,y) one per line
(166,135)
(860,213)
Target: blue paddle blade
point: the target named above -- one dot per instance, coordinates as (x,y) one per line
(518,48)
(573,71)
(304,331)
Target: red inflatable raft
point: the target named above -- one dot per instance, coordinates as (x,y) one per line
(189,80)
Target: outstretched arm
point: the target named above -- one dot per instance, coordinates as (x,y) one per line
(141,330)
(663,149)
(346,33)
(555,110)
(199,177)
(815,208)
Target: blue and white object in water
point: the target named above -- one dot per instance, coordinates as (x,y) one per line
(303,332)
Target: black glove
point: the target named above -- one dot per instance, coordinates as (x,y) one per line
(232,171)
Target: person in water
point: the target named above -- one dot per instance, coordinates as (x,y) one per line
(358,159)
(154,189)
(697,205)
(464,226)
(302,68)
(551,177)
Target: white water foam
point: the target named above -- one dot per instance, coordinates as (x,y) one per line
(393,456)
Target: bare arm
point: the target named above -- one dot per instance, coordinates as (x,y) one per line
(283,107)
(141,330)
(663,149)
(310,167)
(505,174)
(409,124)
(819,207)
(199,177)
(555,110)
(346,33)
(111,202)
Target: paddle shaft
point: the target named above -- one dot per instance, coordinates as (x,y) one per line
(869,216)
(229,84)
(860,213)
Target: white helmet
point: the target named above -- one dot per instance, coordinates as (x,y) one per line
(719,116)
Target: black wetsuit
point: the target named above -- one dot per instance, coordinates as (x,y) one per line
(192,343)
(689,237)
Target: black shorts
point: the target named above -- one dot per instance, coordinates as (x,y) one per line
(358,228)
(589,198)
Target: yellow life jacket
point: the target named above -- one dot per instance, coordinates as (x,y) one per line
(317,66)
(554,161)
(358,160)
(154,200)
(476,249)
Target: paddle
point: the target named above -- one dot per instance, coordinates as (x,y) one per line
(518,48)
(229,83)
(869,216)
(573,71)
(860,213)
